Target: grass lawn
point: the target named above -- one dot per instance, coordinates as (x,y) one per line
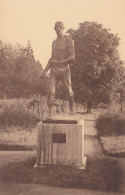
(100,174)
(15,138)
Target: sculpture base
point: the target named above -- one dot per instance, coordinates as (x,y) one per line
(78,167)
(60,142)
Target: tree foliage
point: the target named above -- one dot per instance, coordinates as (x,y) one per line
(98,68)
(19,71)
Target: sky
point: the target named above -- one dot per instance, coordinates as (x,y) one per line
(33,20)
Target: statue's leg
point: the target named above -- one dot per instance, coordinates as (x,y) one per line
(66,80)
(53,79)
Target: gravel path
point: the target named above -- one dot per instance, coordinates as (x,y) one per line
(38,189)
(92,146)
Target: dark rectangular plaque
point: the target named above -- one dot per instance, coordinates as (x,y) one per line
(60,121)
(58,138)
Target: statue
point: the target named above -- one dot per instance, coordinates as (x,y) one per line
(63,55)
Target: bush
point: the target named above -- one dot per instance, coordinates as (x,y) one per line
(27,112)
(14,114)
(109,125)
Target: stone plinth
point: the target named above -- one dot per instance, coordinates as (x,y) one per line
(60,142)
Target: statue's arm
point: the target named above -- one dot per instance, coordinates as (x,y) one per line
(46,68)
(71,50)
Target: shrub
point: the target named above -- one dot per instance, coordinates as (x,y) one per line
(17,115)
(27,112)
(109,125)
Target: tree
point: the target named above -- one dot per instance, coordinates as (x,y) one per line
(121,90)
(20,72)
(26,67)
(97,65)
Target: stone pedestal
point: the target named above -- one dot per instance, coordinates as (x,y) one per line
(60,142)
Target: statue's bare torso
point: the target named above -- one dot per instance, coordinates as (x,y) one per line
(61,50)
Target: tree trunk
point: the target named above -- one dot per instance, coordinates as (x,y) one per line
(89,105)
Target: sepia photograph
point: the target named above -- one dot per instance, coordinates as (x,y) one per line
(62,97)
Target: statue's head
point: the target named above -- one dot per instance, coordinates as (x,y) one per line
(59,27)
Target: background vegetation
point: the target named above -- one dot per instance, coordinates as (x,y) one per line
(20,72)
(98,69)
(110,125)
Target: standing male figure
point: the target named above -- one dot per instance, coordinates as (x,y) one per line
(63,55)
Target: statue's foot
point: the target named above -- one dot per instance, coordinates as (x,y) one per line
(72,111)
(50,117)
(50,114)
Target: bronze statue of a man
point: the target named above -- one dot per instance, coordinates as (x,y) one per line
(63,55)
